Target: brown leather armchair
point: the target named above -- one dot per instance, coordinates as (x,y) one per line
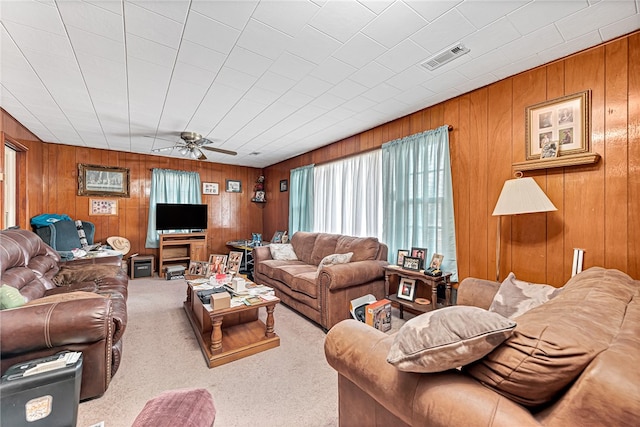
(75,306)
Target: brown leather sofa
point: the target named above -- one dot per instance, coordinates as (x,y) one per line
(324,297)
(75,306)
(592,328)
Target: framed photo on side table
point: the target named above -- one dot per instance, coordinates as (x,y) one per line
(564,121)
(234,262)
(411,263)
(218,263)
(419,253)
(407,289)
(401,254)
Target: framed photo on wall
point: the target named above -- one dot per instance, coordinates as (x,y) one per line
(563,122)
(233,186)
(407,289)
(210,188)
(95,180)
(103,207)
(284,185)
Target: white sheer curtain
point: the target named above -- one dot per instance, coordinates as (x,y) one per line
(348,196)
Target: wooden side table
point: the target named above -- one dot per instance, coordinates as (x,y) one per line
(426,287)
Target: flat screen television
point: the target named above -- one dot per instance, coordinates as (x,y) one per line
(175,216)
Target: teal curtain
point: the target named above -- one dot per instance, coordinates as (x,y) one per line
(170,186)
(418,197)
(301,199)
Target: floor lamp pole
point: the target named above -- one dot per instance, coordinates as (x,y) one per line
(498,242)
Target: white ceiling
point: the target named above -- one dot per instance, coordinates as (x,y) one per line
(277,78)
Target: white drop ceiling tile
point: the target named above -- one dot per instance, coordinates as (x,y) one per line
(443,81)
(333,71)
(390,106)
(538,14)
(483,13)
(291,66)
(358,104)
(147,73)
(563,49)
(94,44)
(182,100)
(33,14)
(394,25)
(287,16)
(594,17)
(294,99)
(195,75)
(438,35)
(151,26)
(411,77)
(360,50)
(619,28)
(484,64)
(376,6)
(431,10)
(328,101)
(372,75)
(248,62)
(313,45)
(106,80)
(275,82)
(110,5)
(403,56)
(210,33)
(92,19)
(476,83)
(233,13)
(414,96)
(218,100)
(38,40)
(342,19)
(262,39)
(241,113)
(312,86)
(492,37)
(200,56)
(523,64)
(542,39)
(381,93)
(348,89)
(261,95)
(236,79)
(150,51)
(174,9)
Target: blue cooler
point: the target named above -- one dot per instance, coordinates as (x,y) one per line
(43,392)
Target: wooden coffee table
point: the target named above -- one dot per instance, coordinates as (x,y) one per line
(231,333)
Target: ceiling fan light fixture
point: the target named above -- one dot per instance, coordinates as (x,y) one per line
(195,154)
(183,151)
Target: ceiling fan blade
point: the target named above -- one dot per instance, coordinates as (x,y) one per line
(159,150)
(204,141)
(202,156)
(220,150)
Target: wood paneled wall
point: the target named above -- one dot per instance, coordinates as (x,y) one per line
(598,205)
(52,176)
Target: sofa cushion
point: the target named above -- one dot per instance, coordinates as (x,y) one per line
(305,283)
(282,251)
(286,273)
(268,267)
(554,342)
(67,296)
(448,338)
(363,248)
(10,297)
(325,245)
(516,297)
(303,243)
(334,259)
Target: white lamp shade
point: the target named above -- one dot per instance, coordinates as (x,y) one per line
(522,196)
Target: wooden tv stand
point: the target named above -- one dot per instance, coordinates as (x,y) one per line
(180,249)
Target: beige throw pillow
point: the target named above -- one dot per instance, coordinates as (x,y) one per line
(448,338)
(283,252)
(516,297)
(335,259)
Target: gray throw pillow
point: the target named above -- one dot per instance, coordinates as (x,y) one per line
(516,297)
(283,252)
(448,338)
(335,259)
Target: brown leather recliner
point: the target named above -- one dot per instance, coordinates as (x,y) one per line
(74,306)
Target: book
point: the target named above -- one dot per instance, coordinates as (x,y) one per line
(378,315)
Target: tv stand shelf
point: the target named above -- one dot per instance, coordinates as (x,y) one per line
(180,249)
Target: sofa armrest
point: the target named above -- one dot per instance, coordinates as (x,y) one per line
(261,253)
(340,276)
(358,352)
(477,292)
(41,326)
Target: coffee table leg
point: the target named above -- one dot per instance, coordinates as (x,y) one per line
(216,334)
(270,322)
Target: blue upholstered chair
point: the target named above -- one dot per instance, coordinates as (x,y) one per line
(63,235)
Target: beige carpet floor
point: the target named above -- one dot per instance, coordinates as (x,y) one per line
(291,385)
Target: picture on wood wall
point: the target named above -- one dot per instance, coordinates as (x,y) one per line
(210,188)
(233,186)
(95,180)
(562,123)
(103,207)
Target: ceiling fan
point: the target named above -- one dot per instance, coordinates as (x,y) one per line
(192,145)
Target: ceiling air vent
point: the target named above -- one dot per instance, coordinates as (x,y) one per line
(447,55)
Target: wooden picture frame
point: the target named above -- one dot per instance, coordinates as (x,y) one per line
(419,253)
(412,263)
(234,262)
(233,186)
(284,185)
(96,180)
(277,237)
(436,261)
(199,268)
(217,264)
(563,120)
(103,206)
(400,258)
(407,289)
(210,188)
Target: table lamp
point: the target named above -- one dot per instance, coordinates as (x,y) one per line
(519,196)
